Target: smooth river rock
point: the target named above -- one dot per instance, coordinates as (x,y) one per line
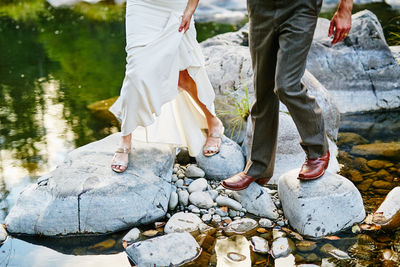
(229,202)
(360,72)
(256,200)
(168,250)
(388,213)
(84,196)
(387,150)
(320,207)
(198,185)
(182,222)
(228,162)
(201,200)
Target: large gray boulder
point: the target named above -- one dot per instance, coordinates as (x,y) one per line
(320,207)
(361,72)
(229,161)
(84,196)
(168,250)
(289,153)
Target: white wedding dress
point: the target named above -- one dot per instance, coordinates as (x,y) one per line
(150,104)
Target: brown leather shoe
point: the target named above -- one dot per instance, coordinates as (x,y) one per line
(241,181)
(314,168)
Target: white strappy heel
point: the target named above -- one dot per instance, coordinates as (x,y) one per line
(124,150)
(214,149)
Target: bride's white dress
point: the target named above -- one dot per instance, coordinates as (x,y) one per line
(150,104)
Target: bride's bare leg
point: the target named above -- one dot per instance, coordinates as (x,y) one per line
(214,124)
(126,141)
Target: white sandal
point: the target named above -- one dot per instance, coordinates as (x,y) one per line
(114,162)
(214,149)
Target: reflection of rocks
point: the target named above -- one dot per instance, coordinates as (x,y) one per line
(360,73)
(388,150)
(101,109)
(228,162)
(350,139)
(233,251)
(388,213)
(167,250)
(84,196)
(320,207)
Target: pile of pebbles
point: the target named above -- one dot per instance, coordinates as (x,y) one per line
(207,199)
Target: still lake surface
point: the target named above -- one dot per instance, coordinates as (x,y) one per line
(53,63)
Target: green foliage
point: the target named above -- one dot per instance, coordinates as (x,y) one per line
(206,30)
(23,10)
(239,111)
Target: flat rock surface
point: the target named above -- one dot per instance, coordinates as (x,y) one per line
(320,207)
(83,195)
(167,250)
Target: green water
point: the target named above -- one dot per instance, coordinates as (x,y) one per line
(53,63)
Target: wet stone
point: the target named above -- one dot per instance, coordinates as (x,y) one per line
(216,218)
(241,226)
(382,184)
(355,176)
(167,250)
(233,251)
(305,246)
(182,222)
(365,185)
(377,164)
(281,247)
(384,175)
(266,223)
(131,236)
(260,245)
(206,218)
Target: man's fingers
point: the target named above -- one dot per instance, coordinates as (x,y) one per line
(336,36)
(331,27)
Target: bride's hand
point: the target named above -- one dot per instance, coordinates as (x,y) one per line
(185,24)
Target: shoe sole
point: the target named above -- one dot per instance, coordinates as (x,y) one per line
(261,183)
(314,178)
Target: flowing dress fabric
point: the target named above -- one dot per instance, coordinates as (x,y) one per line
(150,104)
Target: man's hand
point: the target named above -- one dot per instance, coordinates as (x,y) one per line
(341,21)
